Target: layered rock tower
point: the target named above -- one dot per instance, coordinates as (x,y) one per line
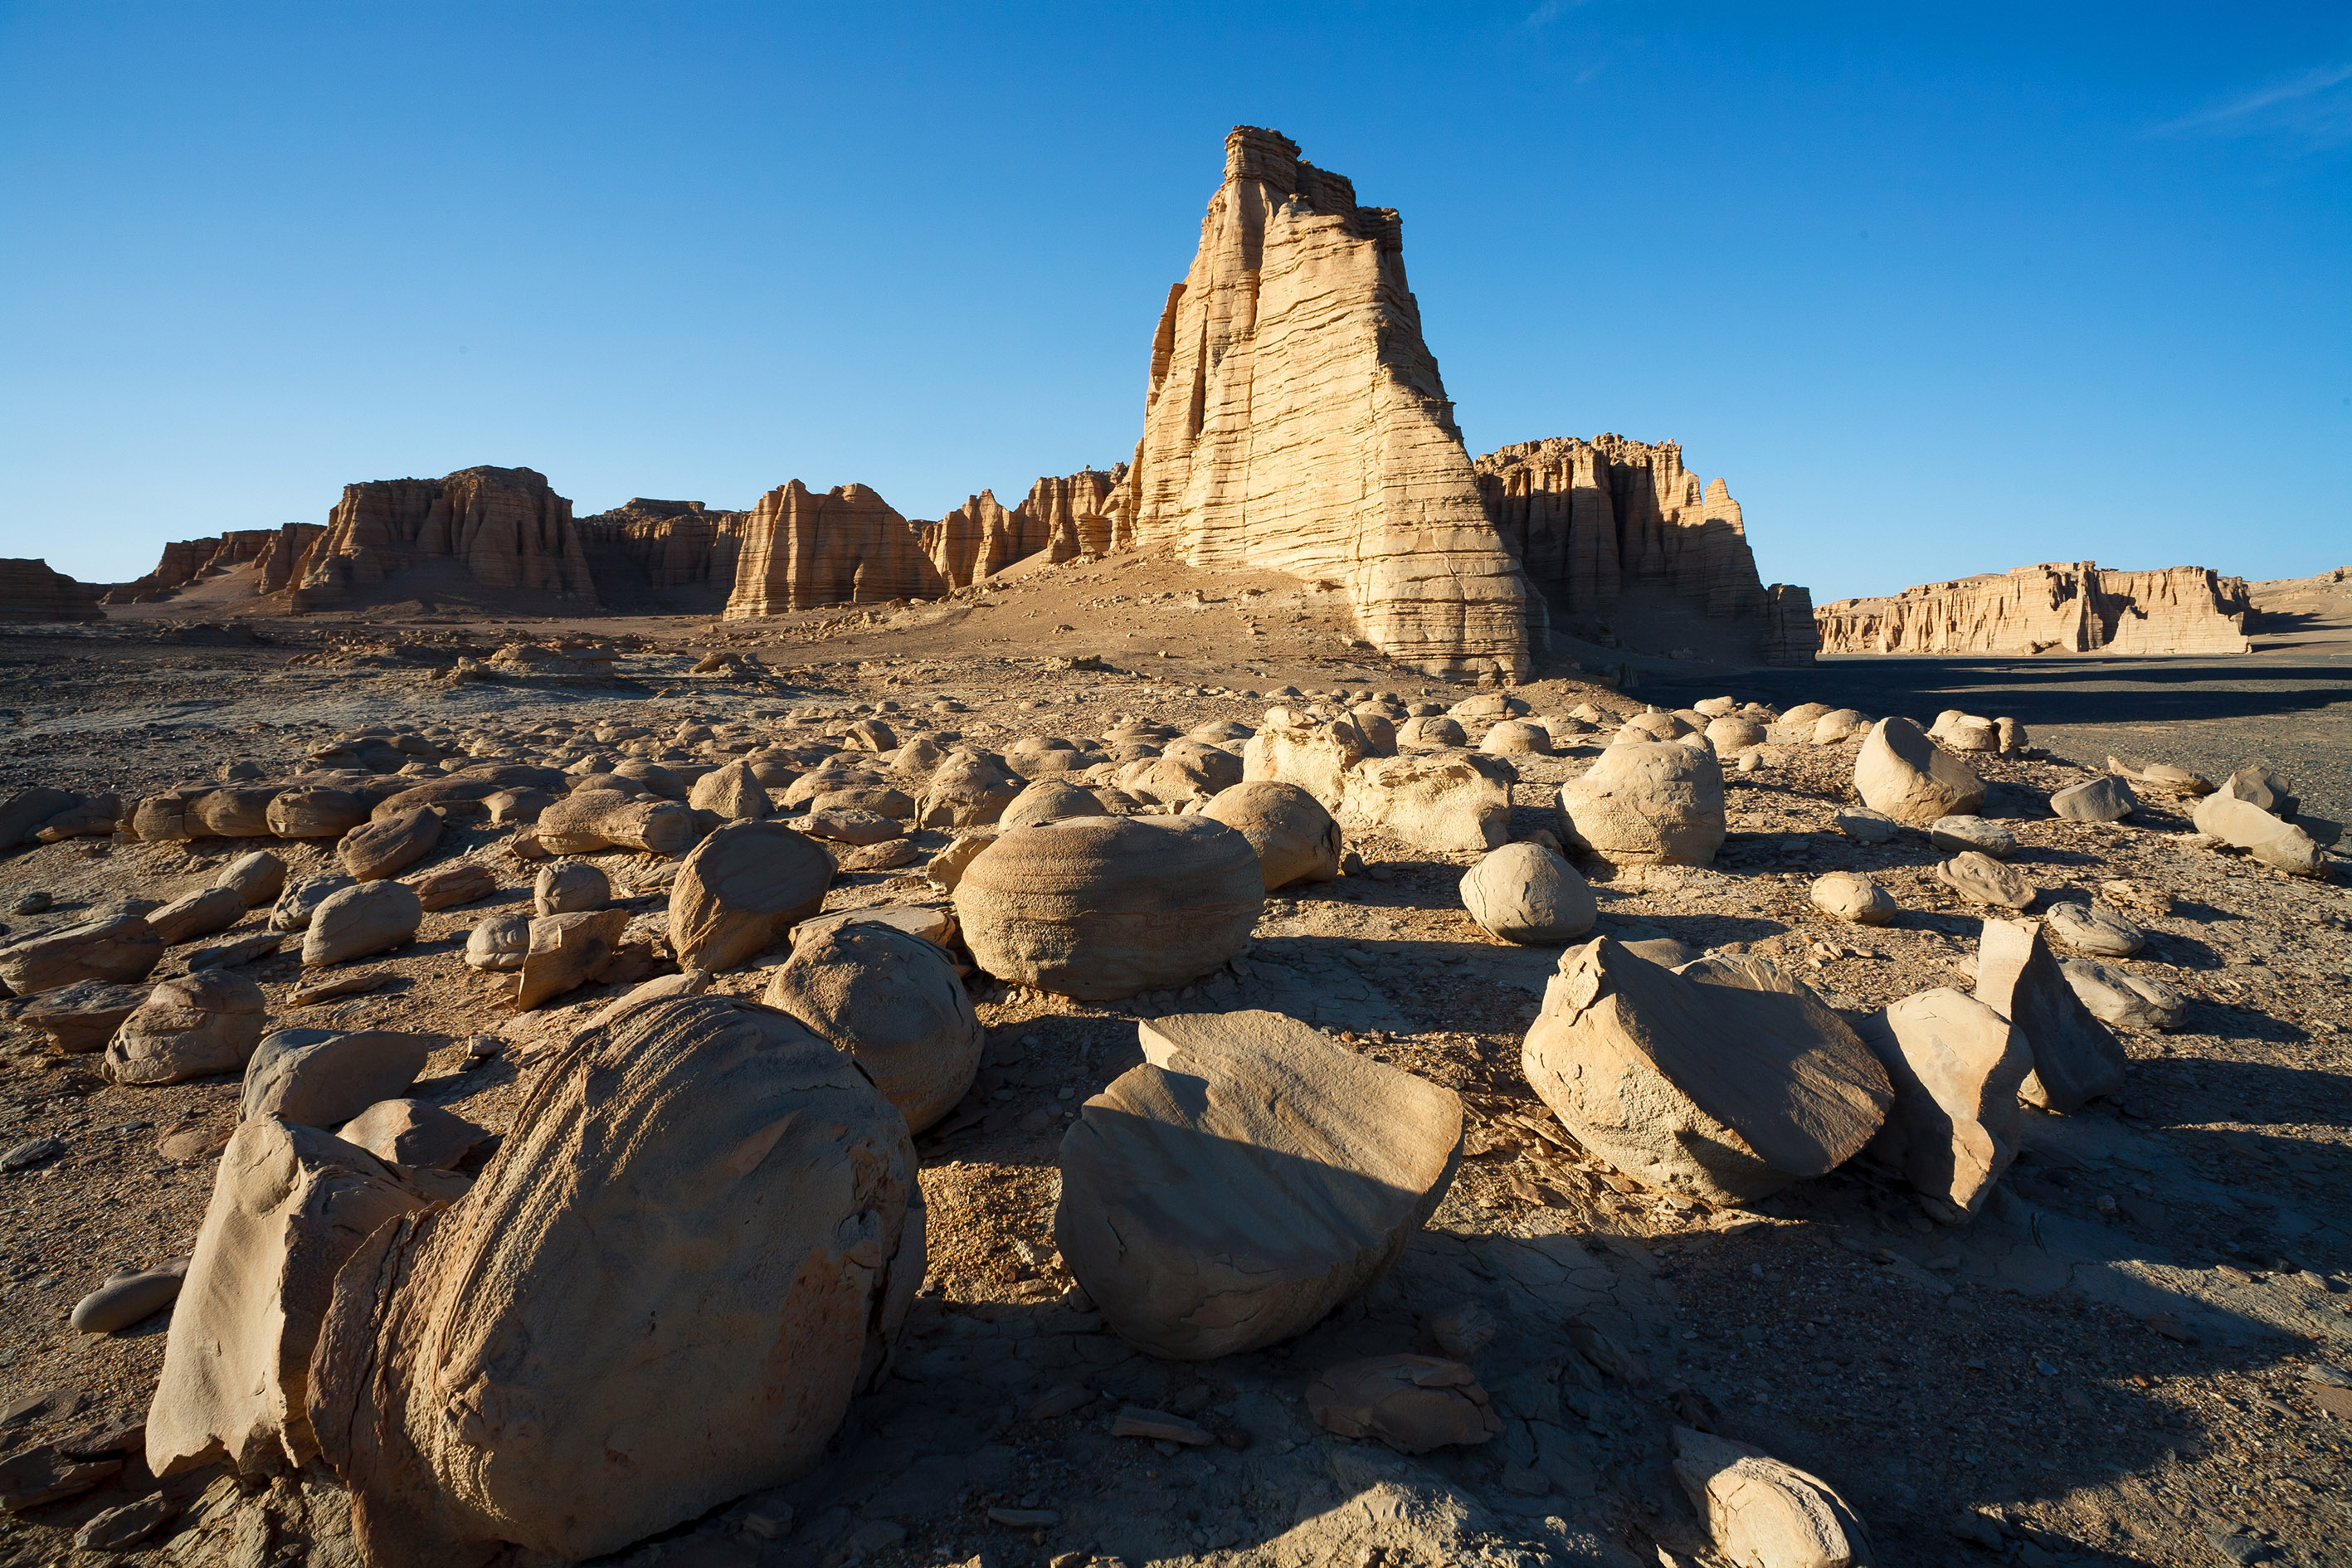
(848,546)
(504,526)
(1296,421)
(2057,608)
(32,591)
(1634,552)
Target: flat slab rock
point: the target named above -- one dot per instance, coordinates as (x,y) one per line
(1250,1177)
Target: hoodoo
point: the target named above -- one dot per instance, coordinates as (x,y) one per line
(1296,422)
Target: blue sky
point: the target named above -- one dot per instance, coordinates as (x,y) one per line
(1938,289)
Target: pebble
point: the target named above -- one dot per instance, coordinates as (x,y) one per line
(31,1153)
(33,903)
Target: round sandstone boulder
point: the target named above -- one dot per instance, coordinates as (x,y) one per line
(894,1002)
(1899,771)
(1647,801)
(1528,893)
(1296,839)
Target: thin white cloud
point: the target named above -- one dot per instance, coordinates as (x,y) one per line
(1551,11)
(2314,106)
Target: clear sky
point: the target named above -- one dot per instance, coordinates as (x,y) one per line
(1938,289)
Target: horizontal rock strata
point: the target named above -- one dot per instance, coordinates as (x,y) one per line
(2059,608)
(31,592)
(848,545)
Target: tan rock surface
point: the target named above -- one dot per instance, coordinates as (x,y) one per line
(1956,1067)
(1763,1513)
(2061,608)
(1411,1403)
(1905,775)
(2075,1060)
(713,1357)
(504,526)
(1441,801)
(741,890)
(894,1002)
(1718,1091)
(847,546)
(1296,421)
(1645,802)
(1296,839)
(1246,1179)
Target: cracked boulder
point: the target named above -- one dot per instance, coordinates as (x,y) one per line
(1956,1065)
(742,890)
(1244,1181)
(1646,801)
(2075,1060)
(1296,751)
(1449,802)
(1296,839)
(697,1244)
(1708,1088)
(190,1026)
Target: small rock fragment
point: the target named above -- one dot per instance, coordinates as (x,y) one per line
(1411,1403)
(1981,878)
(2104,799)
(2117,996)
(1851,896)
(1763,1513)
(128,1298)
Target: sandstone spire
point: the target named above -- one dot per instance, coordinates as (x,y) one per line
(2059,608)
(1296,421)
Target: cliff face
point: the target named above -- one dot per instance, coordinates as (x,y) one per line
(30,592)
(677,555)
(1296,421)
(801,549)
(2059,608)
(1081,514)
(186,561)
(503,526)
(1634,552)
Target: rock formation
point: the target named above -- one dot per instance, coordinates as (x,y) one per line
(504,526)
(31,592)
(1634,553)
(677,555)
(2059,608)
(1080,515)
(1295,421)
(848,546)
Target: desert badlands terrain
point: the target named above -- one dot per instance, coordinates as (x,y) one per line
(1303,998)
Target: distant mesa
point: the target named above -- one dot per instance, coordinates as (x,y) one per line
(504,526)
(2058,608)
(30,592)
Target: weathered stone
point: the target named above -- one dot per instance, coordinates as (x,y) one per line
(128,1298)
(1954,833)
(1763,1513)
(1516,738)
(968,789)
(289,1205)
(1048,800)
(2121,997)
(2075,1060)
(1865,825)
(323,1077)
(847,546)
(356,921)
(1528,893)
(412,1132)
(2242,824)
(569,887)
(1956,1067)
(1851,896)
(566,952)
(2263,787)
(733,791)
(931,924)
(115,949)
(893,1001)
(80,1018)
(300,899)
(2107,799)
(196,914)
(2162,778)
(467,882)
(1448,802)
(42,1475)
(126,1525)
(1647,801)
(1101,907)
(1838,725)
(1899,771)
(23,812)
(257,876)
(851,826)
(2093,930)
(1718,1091)
(207,1021)
(388,845)
(592,819)
(1296,839)
(1730,735)
(315,811)
(946,868)
(1411,1403)
(1317,758)
(504,526)
(741,890)
(498,943)
(1249,1177)
(712,1355)
(1431,732)
(1979,879)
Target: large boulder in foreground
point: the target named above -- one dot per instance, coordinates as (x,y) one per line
(113,951)
(1296,839)
(1714,1089)
(289,1205)
(2075,1060)
(1101,907)
(693,1248)
(188,1026)
(1956,1065)
(1647,801)
(1899,771)
(1763,1513)
(1249,1177)
(742,890)
(892,1000)
(1448,802)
